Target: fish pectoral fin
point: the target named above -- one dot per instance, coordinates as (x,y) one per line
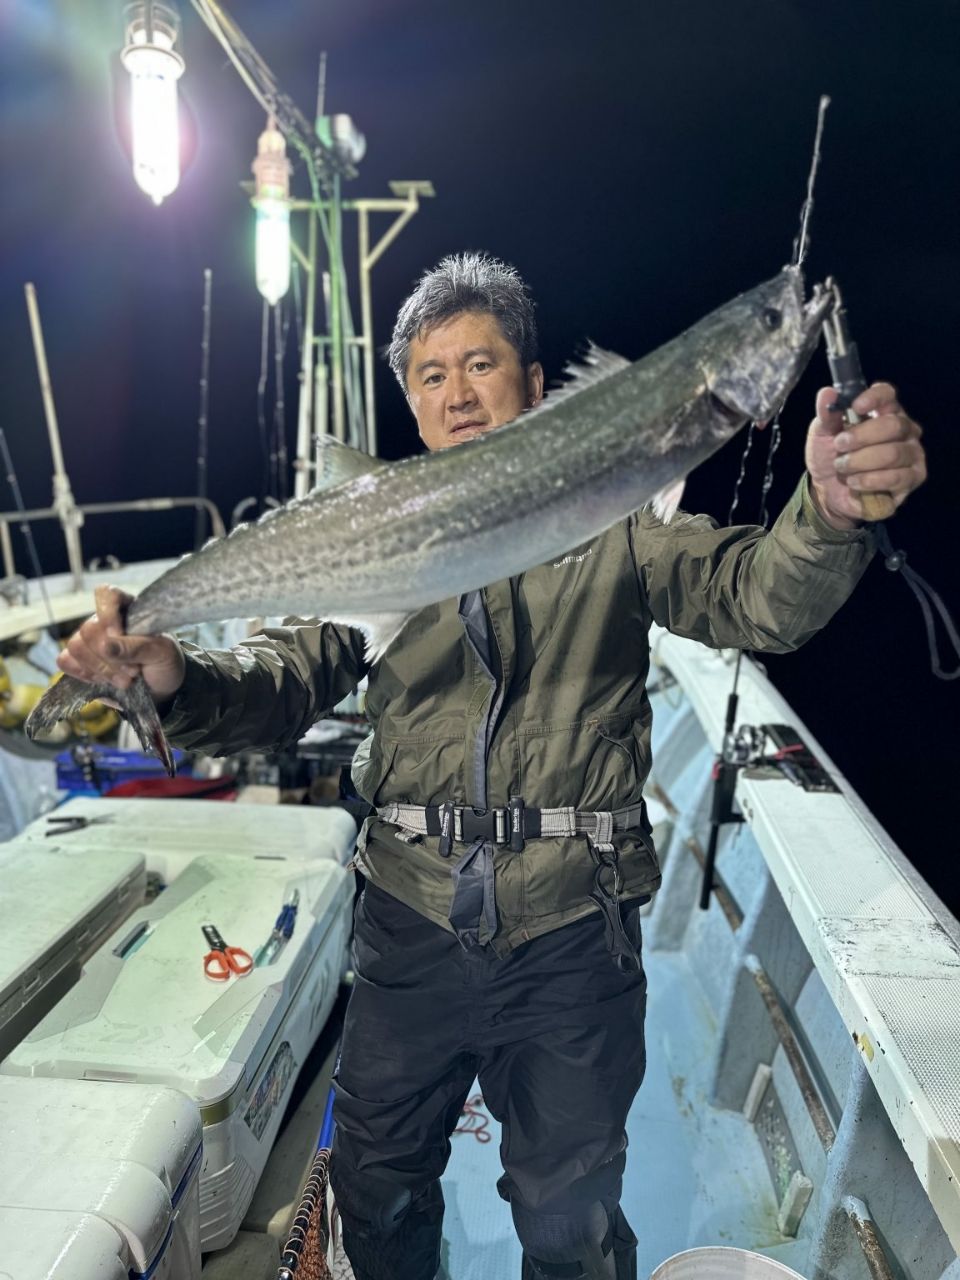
(664,504)
(338,462)
(379,629)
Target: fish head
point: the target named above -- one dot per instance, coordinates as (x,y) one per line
(755,348)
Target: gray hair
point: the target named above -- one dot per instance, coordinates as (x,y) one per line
(466,282)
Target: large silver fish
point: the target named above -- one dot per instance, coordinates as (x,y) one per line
(381,541)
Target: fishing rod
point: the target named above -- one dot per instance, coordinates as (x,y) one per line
(202,432)
(730,758)
(278,449)
(746,746)
(25,529)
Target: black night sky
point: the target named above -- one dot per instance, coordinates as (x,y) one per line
(639,162)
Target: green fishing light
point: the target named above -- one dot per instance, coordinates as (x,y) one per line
(271,169)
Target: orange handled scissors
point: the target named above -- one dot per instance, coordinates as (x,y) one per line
(222,960)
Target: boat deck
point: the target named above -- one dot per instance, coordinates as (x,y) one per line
(695,1174)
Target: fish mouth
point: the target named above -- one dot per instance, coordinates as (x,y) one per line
(817,309)
(729,415)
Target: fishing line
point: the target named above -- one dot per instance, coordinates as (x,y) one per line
(801,246)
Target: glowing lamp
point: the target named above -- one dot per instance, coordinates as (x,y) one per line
(271,169)
(155,67)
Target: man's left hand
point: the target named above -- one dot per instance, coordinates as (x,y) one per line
(881,454)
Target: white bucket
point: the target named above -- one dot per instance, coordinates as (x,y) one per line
(717,1263)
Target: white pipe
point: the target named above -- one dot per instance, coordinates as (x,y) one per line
(70,518)
(301,479)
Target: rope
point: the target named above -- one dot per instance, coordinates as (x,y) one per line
(896,562)
(474,1119)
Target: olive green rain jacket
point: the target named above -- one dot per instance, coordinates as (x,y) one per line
(532,687)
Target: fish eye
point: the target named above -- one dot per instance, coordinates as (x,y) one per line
(772,318)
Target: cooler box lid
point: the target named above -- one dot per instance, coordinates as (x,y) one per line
(126,1153)
(143,1009)
(51,1244)
(54,906)
(170,833)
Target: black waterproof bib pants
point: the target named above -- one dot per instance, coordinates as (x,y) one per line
(555,1033)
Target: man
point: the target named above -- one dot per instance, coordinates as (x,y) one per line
(497,934)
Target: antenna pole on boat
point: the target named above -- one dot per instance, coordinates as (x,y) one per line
(70,517)
(202,421)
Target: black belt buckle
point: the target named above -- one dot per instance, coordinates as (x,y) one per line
(477,824)
(485,824)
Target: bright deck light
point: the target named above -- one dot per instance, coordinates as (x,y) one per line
(155,67)
(272,203)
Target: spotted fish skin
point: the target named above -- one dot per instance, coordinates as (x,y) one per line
(392,538)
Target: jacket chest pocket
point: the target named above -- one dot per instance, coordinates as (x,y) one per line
(599,763)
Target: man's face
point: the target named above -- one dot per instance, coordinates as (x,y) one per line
(464,378)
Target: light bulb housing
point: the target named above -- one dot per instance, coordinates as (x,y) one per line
(271,169)
(155,66)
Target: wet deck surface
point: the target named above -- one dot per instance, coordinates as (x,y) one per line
(695,1175)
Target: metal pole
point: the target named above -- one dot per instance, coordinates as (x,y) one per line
(70,518)
(301,478)
(336,329)
(409,207)
(366,320)
(321,400)
(862,1223)
(6,542)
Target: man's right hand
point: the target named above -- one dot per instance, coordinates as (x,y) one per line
(100,652)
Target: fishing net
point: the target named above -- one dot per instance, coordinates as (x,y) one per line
(313,1250)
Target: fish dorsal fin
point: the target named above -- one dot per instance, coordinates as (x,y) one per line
(596,366)
(664,504)
(338,462)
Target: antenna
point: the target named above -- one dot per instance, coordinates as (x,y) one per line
(202,433)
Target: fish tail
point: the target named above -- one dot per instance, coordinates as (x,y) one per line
(136,705)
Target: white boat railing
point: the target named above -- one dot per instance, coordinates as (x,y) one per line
(841,896)
(7,518)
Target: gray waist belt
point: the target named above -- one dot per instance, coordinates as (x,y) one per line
(512,825)
(473,915)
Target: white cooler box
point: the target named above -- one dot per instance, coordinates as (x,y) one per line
(171,833)
(144,1011)
(117,1158)
(55,909)
(50,1244)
